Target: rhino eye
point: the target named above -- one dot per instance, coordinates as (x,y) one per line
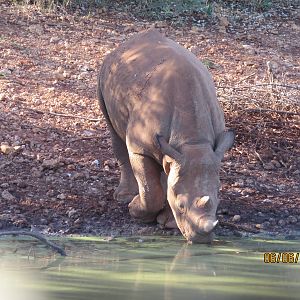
(181,207)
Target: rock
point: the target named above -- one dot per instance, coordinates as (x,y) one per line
(250,49)
(36,29)
(260,214)
(160,24)
(2,97)
(5,148)
(223,21)
(292,220)
(236,218)
(276,163)
(96,163)
(71,212)
(61,196)
(5,72)
(6,195)
(59,76)
(50,164)
(86,69)
(269,166)
(258,226)
(265,225)
(54,40)
(129,28)
(272,221)
(281,223)
(82,75)
(267,201)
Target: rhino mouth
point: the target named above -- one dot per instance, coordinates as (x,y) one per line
(200,238)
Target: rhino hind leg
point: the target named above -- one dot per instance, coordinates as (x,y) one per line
(151,199)
(128,187)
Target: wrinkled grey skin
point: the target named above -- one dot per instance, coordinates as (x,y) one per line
(160,105)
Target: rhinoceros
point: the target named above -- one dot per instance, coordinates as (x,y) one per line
(160,105)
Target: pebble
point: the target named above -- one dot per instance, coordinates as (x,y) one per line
(272,221)
(61,196)
(5,72)
(2,97)
(50,163)
(269,166)
(71,212)
(6,195)
(281,223)
(6,149)
(292,220)
(54,40)
(265,225)
(236,218)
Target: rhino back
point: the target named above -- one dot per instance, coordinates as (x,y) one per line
(152,85)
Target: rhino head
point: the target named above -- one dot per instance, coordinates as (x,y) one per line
(193,184)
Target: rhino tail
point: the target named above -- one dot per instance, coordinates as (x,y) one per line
(102,102)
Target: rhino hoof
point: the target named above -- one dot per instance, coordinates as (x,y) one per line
(139,213)
(123,196)
(166,219)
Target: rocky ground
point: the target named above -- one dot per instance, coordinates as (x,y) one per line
(57,170)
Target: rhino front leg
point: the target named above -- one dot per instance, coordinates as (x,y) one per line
(166,218)
(128,187)
(150,200)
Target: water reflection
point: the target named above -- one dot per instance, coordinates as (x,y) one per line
(156,269)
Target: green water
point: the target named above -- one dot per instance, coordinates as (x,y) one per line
(151,268)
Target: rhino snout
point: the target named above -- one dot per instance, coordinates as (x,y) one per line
(203,233)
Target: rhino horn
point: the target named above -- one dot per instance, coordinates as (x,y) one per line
(203,201)
(166,149)
(209,225)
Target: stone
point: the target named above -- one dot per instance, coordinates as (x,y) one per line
(272,221)
(292,220)
(281,223)
(6,149)
(54,40)
(2,97)
(61,196)
(223,21)
(5,72)
(71,212)
(236,218)
(269,166)
(265,225)
(50,163)
(6,195)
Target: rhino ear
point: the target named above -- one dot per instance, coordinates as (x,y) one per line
(168,150)
(170,154)
(224,142)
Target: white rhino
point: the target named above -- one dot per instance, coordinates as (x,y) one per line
(160,105)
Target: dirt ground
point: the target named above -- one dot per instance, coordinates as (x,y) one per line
(57,169)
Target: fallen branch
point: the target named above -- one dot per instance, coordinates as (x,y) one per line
(60,114)
(38,236)
(71,116)
(239,227)
(296,87)
(272,110)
